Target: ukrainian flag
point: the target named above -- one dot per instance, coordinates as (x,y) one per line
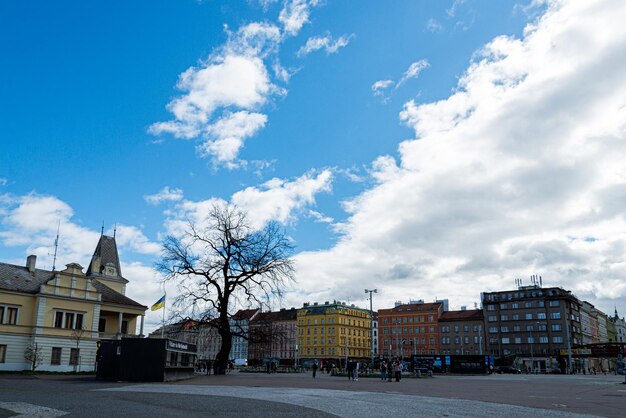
(159,304)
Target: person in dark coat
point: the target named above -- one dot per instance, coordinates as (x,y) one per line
(314,369)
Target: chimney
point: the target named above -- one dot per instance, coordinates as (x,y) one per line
(31,260)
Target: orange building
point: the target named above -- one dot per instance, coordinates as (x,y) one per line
(409,329)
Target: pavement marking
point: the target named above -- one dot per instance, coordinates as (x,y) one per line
(32,411)
(349,404)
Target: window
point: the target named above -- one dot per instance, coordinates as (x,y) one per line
(517,328)
(467,340)
(518,340)
(504,329)
(456,328)
(541,315)
(556,327)
(55,358)
(515,305)
(505,340)
(504,317)
(529,316)
(493,330)
(69,320)
(8,315)
(555,315)
(457,340)
(516,317)
(492,318)
(553,303)
(491,307)
(75,355)
(527,305)
(543,340)
(3,353)
(466,328)
(503,306)
(557,339)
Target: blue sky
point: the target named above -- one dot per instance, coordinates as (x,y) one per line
(426,148)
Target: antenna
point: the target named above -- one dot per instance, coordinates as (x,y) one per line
(114,229)
(102,229)
(56,247)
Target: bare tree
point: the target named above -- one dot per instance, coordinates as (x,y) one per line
(225,265)
(77,335)
(34,354)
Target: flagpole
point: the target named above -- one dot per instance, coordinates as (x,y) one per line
(163,324)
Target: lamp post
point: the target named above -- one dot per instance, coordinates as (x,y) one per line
(532,357)
(371,325)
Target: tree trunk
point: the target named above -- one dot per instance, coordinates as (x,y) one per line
(221,360)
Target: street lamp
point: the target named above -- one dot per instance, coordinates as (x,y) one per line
(371,325)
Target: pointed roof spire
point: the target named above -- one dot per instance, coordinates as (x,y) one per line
(105,260)
(102,229)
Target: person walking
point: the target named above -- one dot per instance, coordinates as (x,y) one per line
(383,370)
(357,365)
(314,369)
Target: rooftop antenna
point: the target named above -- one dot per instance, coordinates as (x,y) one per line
(102,229)
(56,247)
(114,229)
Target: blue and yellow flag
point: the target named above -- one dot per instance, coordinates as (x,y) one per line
(159,304)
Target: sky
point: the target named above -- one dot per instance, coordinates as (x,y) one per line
(426,149)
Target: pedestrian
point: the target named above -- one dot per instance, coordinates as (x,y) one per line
(383,370)
(398,370)
(314,369)
(357,365)
(350,369)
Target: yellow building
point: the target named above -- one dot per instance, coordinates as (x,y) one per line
(333,331)
(64,313)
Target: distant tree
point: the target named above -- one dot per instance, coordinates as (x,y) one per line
(34,354)
(225,264)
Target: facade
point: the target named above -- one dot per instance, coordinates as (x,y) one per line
(409,329)
(375,325)
(461,332)
(272,336)
(620,328)
(61,315)
(333,331)
(240,327)
(532,324)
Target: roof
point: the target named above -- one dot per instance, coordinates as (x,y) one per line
(471,315)
(282,315)
(244,314)
(106,250)
(20,279)
(111,296)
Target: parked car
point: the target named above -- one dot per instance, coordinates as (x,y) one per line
(509,370)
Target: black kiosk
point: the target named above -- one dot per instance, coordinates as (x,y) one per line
(145,360)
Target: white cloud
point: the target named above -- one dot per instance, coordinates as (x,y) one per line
(381,86)
(452,10)
(413,71)
(227,89)
(295,14)
(508,176)
(164,195)
(227,135)
(433,25)
(318,217)
(32,221)
(281,200)
(134,239)
(324,42)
